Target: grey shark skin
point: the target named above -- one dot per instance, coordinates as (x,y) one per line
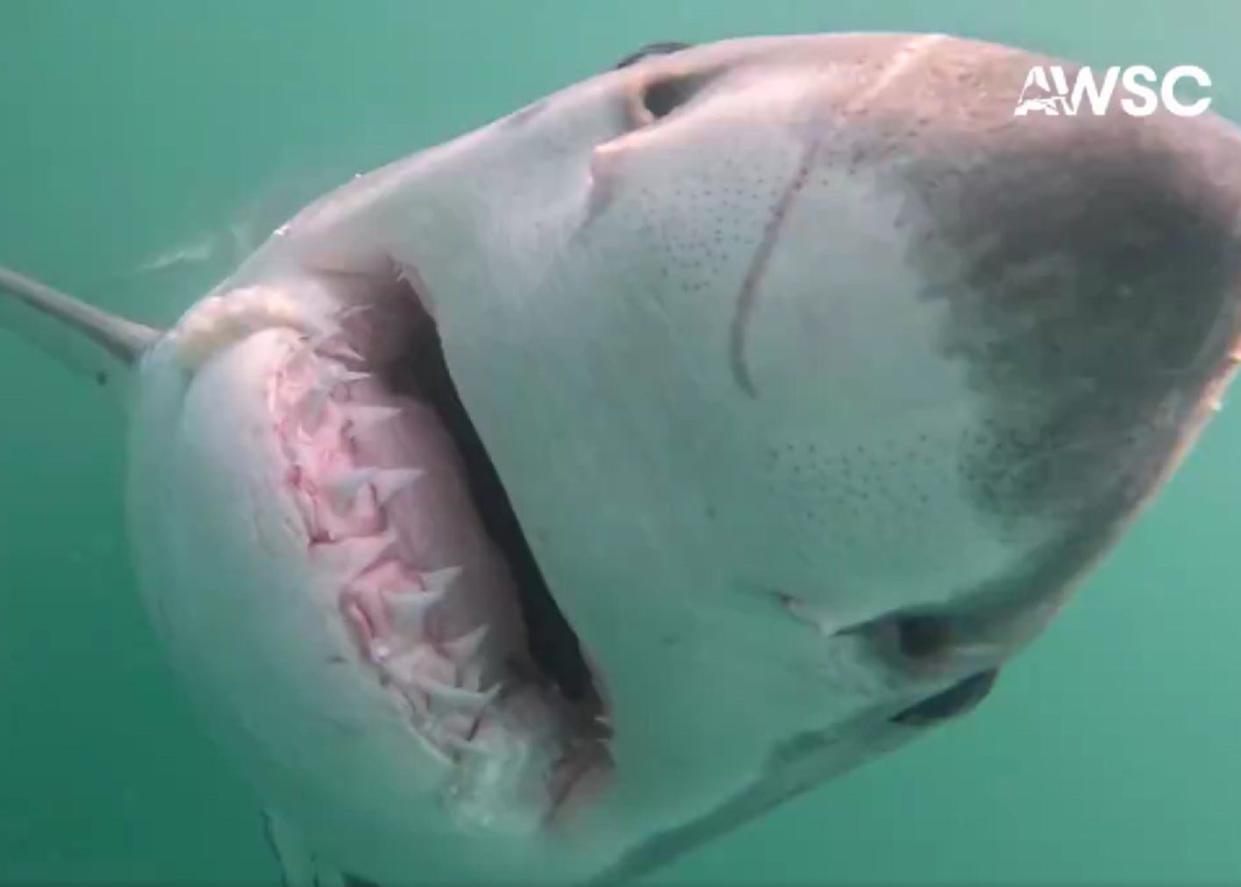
(813,378)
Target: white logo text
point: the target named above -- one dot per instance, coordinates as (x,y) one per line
(1048,91)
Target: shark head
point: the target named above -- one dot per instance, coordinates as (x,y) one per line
(555,499)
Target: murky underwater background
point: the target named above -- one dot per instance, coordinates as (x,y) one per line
(143,143)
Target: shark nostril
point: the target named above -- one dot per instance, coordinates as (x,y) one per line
(660,97)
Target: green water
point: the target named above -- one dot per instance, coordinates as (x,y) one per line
(1109,752)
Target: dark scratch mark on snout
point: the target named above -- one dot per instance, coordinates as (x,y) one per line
(758,266)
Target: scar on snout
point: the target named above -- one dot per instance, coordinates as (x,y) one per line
(758,266)
(602,184)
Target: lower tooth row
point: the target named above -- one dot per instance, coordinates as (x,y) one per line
(443,689)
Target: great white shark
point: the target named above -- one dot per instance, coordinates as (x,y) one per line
(553,500)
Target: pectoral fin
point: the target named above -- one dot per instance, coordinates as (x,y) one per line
(27,306)
(299,867)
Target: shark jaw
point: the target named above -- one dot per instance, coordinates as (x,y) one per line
(382,502)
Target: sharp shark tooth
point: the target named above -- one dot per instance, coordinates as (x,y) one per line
(466,647)
(324,336)
(301,352)
(408,609)
(472,675)
(356,554)
(472,750)
(343,489)
(418,701)
(331,346)
(390,481)
(352,311)
(310,404)
(346,352)
(401,667)
(424,663)
(458,724)
(431,748)
(450,738)
(441,580)
(329,340)
(368,416)
(345,376)
(470,700)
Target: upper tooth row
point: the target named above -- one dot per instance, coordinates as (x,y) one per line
(343,489)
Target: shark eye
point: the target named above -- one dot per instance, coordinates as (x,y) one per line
(924,644)
(910,643)
(666,47)
(922,637)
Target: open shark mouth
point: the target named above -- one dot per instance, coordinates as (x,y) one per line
(434,580)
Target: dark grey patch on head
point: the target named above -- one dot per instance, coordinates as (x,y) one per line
(101,378)
(1089,272)
(662,48)
(1090,268)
